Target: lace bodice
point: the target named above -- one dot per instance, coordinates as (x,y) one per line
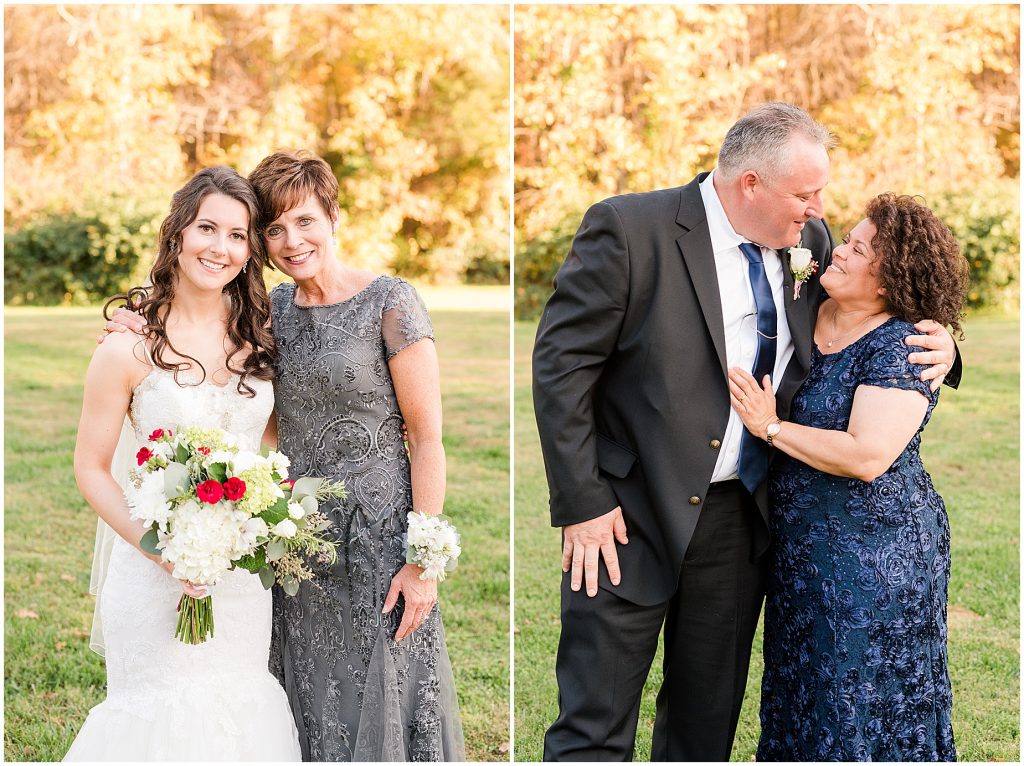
(159,402)
(358,694)
(220,692)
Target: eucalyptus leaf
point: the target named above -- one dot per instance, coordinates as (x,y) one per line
(307,485)
(309,504)
(267,577)
(149,542)
(291,586)
(175,479)
(275,550)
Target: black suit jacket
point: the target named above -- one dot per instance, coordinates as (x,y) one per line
(630,388)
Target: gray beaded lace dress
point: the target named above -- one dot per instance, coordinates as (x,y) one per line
(357,695)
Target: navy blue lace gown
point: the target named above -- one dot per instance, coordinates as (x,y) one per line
(855,662)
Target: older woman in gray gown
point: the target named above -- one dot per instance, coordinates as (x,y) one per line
(360,649)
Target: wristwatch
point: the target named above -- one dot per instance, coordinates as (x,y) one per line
(773,430)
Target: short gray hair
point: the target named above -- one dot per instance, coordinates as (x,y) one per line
(759,139)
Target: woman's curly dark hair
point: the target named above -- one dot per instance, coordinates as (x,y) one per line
(249,312)
(919,261)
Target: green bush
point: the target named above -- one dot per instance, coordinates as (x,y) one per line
(537,262)
(77,258)
(486,269)
(986,222)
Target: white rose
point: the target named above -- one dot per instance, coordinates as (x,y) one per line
(286,529)
(799,258)
(296,511)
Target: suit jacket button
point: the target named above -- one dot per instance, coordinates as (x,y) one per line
(694,500)
(715,444)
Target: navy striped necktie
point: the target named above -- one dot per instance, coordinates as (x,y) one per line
(753,463)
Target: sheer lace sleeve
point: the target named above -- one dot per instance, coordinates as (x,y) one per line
(886,364)
(404,319)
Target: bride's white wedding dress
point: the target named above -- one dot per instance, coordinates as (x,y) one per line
(166,700)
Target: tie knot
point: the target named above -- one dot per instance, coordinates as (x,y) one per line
(752,252)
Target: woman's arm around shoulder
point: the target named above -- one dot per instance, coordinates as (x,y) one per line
(889,405)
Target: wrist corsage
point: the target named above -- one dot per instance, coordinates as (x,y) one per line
(802,266)
(433,543)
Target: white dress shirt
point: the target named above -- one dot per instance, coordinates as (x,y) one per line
(739,312)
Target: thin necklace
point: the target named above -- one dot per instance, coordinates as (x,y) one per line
(836,338)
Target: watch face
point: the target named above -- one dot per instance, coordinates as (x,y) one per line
(774,428)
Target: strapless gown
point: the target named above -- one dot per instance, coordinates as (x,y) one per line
(168,701)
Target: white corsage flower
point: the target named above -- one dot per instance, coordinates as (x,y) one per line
(433,544)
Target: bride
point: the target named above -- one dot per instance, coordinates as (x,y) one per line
(204,359)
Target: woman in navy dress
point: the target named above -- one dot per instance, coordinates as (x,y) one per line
(855,618)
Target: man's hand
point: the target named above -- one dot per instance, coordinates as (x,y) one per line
(123,320)
(941,355)
(581,544)
(420,597)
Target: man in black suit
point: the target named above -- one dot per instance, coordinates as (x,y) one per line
(649,468)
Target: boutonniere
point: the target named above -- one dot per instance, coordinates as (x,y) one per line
(802,266)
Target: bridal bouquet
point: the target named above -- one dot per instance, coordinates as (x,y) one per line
(211,507)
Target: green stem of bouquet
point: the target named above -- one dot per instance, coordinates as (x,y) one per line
(195,620)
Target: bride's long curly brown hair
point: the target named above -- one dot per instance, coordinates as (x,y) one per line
(249,312)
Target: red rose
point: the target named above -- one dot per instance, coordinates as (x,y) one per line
(234,488)
(143,455)
(203,450)
(158,433)
(289,483)
(210,491)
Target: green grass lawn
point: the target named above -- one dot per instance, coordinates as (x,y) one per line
(971,449)
(52,678)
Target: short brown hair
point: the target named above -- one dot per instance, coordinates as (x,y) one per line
(284,180)
(919,261)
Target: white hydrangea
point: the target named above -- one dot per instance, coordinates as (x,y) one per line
(295,510)
(147,501)
(205,540)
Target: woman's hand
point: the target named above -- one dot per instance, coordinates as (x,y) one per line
(420,597)
(753,403)
(189,588)
(194,589)
(123,320)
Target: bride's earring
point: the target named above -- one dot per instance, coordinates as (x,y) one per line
(244,265)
